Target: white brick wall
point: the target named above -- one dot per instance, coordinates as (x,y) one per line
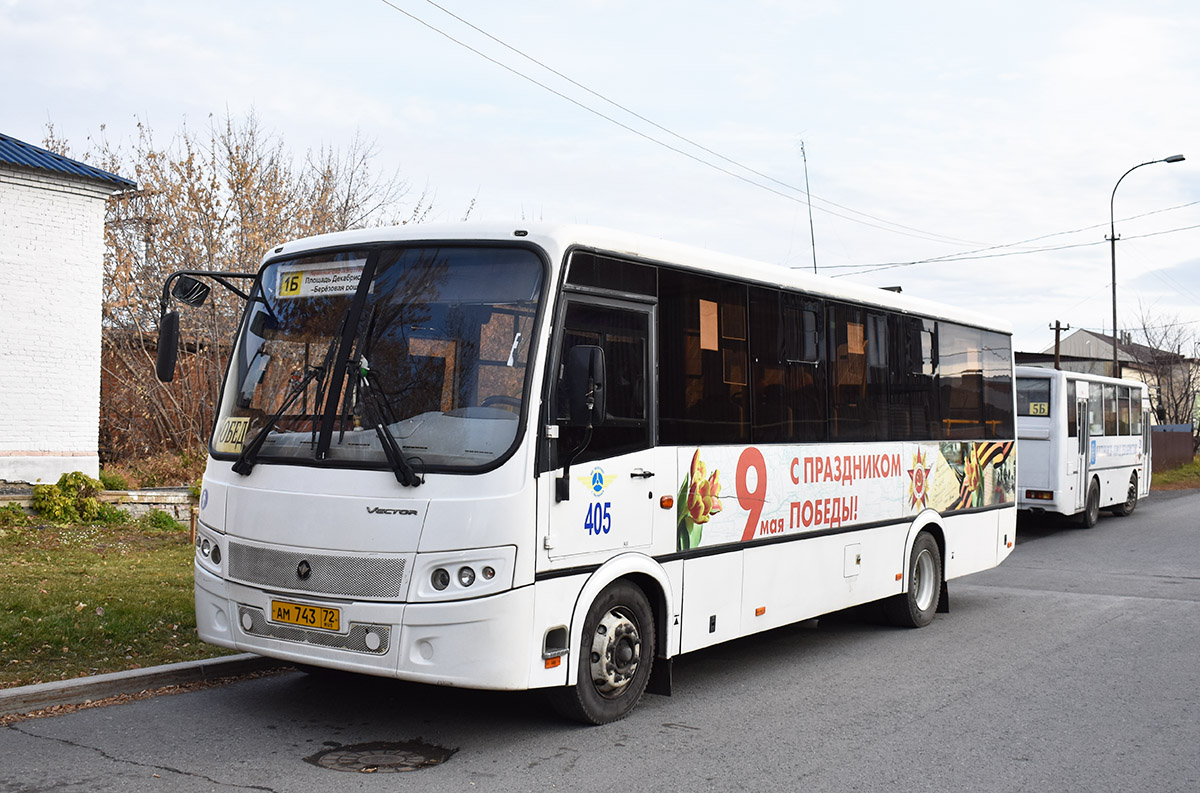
(51,277)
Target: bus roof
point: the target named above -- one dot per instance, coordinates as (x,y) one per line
(1025,370)
(557,239)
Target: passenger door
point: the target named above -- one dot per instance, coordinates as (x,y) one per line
(1080,462)
(600,494)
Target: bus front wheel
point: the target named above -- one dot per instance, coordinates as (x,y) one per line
(1091,510)
(916,605)
(615,657)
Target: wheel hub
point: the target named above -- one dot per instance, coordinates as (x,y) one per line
(923,583)
(616,647)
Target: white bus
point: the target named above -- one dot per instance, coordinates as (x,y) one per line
(1083,443)
(558,457)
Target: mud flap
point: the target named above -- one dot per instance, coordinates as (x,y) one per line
(660,677)
(944,600)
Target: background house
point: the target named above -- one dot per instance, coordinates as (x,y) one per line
(1172,375)
(51,281)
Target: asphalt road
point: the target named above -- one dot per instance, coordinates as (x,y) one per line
(1074,666)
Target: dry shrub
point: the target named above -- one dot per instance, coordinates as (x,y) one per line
(164,469)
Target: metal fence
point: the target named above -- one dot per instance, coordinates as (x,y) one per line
(1172,446)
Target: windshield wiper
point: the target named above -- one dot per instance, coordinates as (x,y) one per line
(371,398)
(249,455)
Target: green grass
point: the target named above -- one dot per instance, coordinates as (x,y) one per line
(86,599)
(1183,478)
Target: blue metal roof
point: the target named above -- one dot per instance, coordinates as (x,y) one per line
(17,152)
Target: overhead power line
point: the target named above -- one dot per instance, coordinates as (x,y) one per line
(985,252)
(907,231)
(982,253)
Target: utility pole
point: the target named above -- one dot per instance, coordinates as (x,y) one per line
(1058,328)
(808,195)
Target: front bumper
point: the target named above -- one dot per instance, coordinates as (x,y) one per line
(484,642)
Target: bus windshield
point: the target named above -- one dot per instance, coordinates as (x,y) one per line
(343,354)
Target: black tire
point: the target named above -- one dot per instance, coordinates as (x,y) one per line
(915,607)
(615,657)
(1091,509)
(1131,499)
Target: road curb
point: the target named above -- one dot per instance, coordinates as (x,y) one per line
(26,699)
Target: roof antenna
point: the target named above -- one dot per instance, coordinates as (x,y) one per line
(808,195)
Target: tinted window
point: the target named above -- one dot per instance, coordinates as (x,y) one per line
(607,272)
(912,400)
(960,380)
(788,382)
(1072,410)
(704,366)
(996,355)
(624,337)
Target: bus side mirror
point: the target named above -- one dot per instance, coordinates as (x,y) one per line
(585,385)
(189,291)
(168,346)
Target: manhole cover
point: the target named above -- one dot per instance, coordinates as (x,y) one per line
(381,756)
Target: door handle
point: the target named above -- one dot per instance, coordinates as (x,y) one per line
(640,474)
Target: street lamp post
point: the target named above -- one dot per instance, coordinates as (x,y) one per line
(1112,236)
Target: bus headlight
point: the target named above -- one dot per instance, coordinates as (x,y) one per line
(458,575)
(208,550)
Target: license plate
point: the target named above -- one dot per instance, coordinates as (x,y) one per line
(319,617)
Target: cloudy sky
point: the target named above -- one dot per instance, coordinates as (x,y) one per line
(966,154)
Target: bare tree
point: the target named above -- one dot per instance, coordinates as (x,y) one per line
(1166,355)
(216,200)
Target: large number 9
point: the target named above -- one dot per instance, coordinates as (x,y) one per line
(751,500)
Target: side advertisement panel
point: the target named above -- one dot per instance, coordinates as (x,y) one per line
(738,494)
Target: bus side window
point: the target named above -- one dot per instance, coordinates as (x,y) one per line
(624,337)
(1095,409)
(859,351)
(704,367)
(1110,410)
(1069,406)
(912,393)
(786,378)
(996,354)
(1123,410)
(960,379)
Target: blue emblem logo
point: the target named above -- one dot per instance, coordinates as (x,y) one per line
(598,482)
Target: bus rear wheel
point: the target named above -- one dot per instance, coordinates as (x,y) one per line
(915,607)
(1131,499)
(615,657)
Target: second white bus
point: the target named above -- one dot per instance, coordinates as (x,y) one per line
(1083,443)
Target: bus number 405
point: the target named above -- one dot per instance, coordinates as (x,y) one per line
(599,519)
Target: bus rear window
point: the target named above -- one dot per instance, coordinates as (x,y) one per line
(1033,396)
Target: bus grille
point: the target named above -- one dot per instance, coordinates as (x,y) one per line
(355,640)
(349,576)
